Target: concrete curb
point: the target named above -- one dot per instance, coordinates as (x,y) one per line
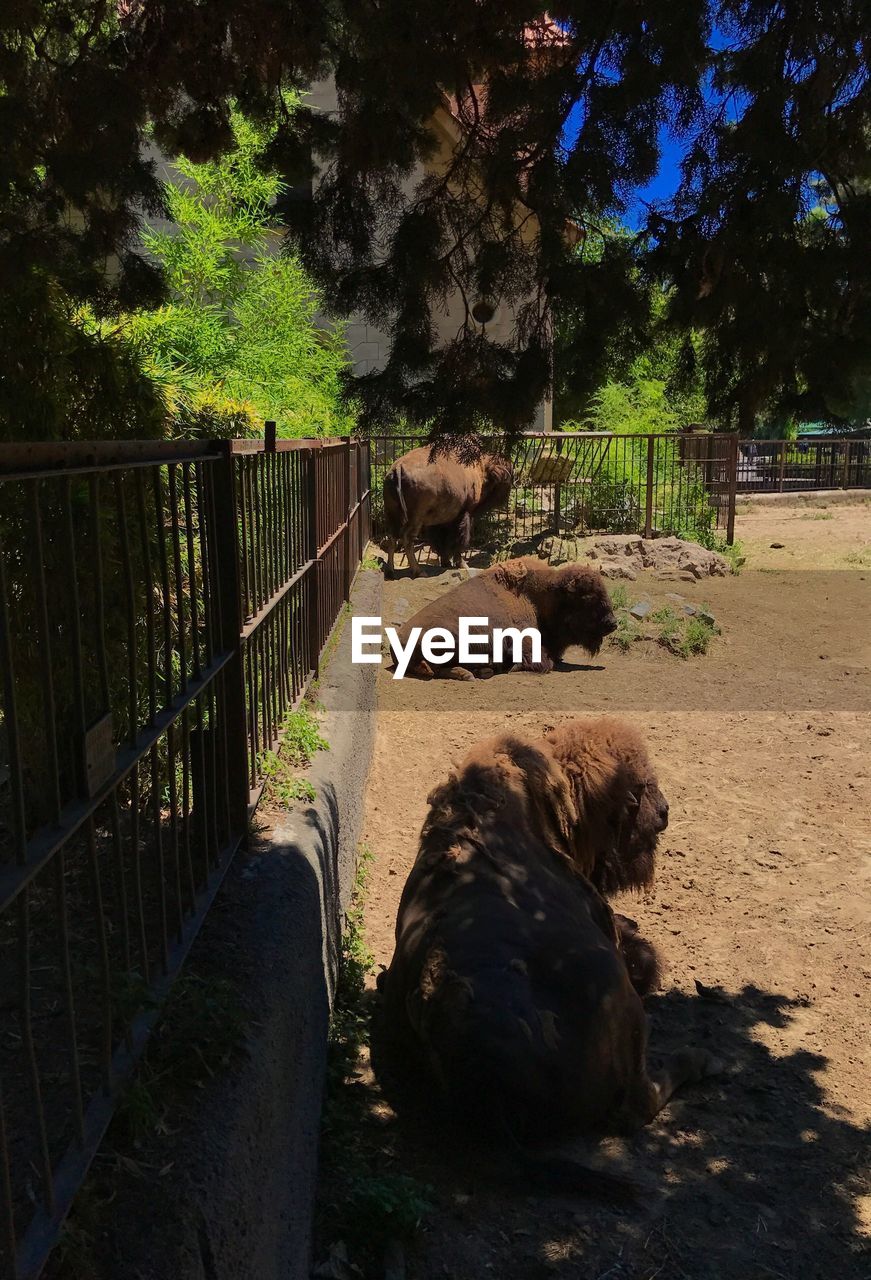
(238,1201)
(805,498)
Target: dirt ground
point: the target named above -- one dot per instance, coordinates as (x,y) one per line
(762,747)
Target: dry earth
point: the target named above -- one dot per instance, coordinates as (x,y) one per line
(762,747)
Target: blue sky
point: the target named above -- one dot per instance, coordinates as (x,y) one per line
(664,184)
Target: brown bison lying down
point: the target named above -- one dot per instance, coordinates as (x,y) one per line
(432,494)
(568,606)
(512,983)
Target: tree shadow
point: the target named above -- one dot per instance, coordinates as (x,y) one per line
(752,1174)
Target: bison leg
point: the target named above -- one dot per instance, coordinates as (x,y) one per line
(408,544)
(390,571)
(539,668)
(639,954)
(687,1066)
(464,539)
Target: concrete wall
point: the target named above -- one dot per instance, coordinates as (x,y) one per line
(228,1193)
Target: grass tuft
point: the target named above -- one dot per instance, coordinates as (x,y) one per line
(300,741)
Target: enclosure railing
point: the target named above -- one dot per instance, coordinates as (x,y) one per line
(594,482)
(162,606)
(806,464)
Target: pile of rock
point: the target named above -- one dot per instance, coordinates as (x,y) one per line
(625,555)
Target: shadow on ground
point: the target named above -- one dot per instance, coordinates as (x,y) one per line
(749,1175)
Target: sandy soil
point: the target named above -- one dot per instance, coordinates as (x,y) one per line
(763,890)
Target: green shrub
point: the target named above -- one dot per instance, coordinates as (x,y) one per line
(239,342)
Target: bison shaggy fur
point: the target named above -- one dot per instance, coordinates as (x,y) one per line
(569,606)
(434,492)
(511,988)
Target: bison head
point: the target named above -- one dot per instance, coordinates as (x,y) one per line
(620,806)
(498,479)
(582,613)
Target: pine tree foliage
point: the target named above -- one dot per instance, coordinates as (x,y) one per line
(533,126)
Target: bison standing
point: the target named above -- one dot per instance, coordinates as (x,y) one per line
(434,494)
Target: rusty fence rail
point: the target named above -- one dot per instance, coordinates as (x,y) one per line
(162,606)
(804,465)
(600,483)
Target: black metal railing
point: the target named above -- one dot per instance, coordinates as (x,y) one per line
(599,483)
(804,465)
(161,608)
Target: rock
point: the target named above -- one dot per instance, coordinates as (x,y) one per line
(609,569)
(640,610)
(706,617)
(776,546)
(624,544)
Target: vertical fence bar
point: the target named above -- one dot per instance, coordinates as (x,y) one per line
(313,573)
(733,489)
(224,558)
(7,1218)
(16,772)
(648,503)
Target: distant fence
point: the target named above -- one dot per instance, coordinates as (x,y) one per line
(162,606)
(806,464)
(601,483)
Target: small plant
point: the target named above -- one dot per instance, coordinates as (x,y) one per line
(300,741)
(302,738)
(371,562)
(619,596)
(627,632)
(686,637)
(697,637)
(668,622)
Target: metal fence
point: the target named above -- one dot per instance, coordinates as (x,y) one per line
(161,608)
(600,483)
(803,465)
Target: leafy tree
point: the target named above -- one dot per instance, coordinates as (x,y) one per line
(549,124)
(238,342)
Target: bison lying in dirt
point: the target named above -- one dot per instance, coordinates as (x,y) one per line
(434,494)
(568,606)
(511,984)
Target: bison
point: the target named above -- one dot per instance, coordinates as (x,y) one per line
(434,494)
(511,985)
(568,606)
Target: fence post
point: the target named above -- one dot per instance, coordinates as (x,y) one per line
(226,557)
(733,488)
(314,629)
(782,463)
(346,470)
(648,505)
(845,478)
(557,490)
